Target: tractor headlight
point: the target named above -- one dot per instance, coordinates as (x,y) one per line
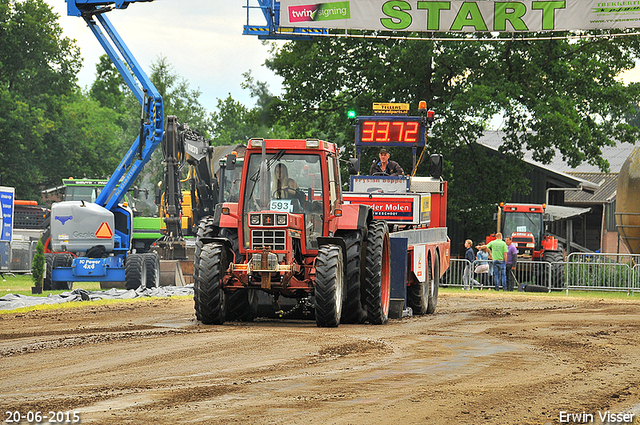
(254,219)
(281,219)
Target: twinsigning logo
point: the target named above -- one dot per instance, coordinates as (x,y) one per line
(320,12)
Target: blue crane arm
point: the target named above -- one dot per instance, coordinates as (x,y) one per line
(78,7)
(152,120)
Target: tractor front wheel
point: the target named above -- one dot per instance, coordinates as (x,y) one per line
(210,302)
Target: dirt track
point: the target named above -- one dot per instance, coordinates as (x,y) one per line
(483,358)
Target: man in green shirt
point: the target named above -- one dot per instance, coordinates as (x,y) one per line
(499,251)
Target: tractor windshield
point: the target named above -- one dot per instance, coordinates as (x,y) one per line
(292,184)
(523,222)
(81,193)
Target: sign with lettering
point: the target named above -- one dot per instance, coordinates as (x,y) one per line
(395,209)
(7,195)
(461,16)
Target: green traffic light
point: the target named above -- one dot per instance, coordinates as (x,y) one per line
(351,114)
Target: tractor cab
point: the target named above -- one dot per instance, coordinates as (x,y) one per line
(289,188)
(524,224)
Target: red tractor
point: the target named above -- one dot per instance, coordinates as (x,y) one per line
(525,224)
(291,236)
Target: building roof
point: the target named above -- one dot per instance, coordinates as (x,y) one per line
(493,139)
(616,155)
(606,193)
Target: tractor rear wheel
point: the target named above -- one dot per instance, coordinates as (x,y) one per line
(210,302)
(135,272)
(377,278)
(554,258)
(329,286)
(152,264)
(352,310)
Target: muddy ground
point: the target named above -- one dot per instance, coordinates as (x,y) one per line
(483,358)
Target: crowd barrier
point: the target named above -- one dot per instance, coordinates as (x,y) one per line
(16,256)
(593,271)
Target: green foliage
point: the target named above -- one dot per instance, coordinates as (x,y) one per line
(38,264)
(235,123)
(109,87)
(48,129)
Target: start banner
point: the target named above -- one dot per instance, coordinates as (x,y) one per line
(462,16)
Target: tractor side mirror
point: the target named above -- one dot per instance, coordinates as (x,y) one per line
(435,166)
(354,166)
(231,162)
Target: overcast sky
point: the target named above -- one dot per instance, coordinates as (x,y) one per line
(201,39)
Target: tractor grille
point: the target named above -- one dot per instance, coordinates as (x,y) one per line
(276,239)
(522,239)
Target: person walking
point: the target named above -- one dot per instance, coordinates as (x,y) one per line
(385,165)
(470,256)
(483,266)
(511,262)
(499,254)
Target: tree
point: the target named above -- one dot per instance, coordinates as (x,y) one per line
(38,264)
(38,70)
(178,99)
(554,94)
(109,87)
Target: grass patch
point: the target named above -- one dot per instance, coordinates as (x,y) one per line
(79,304)
(609,295)
(21,284)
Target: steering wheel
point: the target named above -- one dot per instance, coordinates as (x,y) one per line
(380,173)
(289,193)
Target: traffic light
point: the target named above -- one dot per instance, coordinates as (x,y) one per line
(351,114)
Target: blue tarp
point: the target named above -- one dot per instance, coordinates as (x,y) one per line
(14,301)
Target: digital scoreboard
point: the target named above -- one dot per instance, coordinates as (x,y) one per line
(390,130)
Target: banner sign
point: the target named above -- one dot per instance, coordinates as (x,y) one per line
(409,208)
(7,195)
(462,16)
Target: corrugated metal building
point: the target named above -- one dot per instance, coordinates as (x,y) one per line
(594,230)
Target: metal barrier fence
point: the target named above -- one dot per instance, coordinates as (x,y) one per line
(603,272)
(526,272)
(16,256)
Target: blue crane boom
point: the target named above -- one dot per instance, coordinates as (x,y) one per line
(93,241)
(152,120)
